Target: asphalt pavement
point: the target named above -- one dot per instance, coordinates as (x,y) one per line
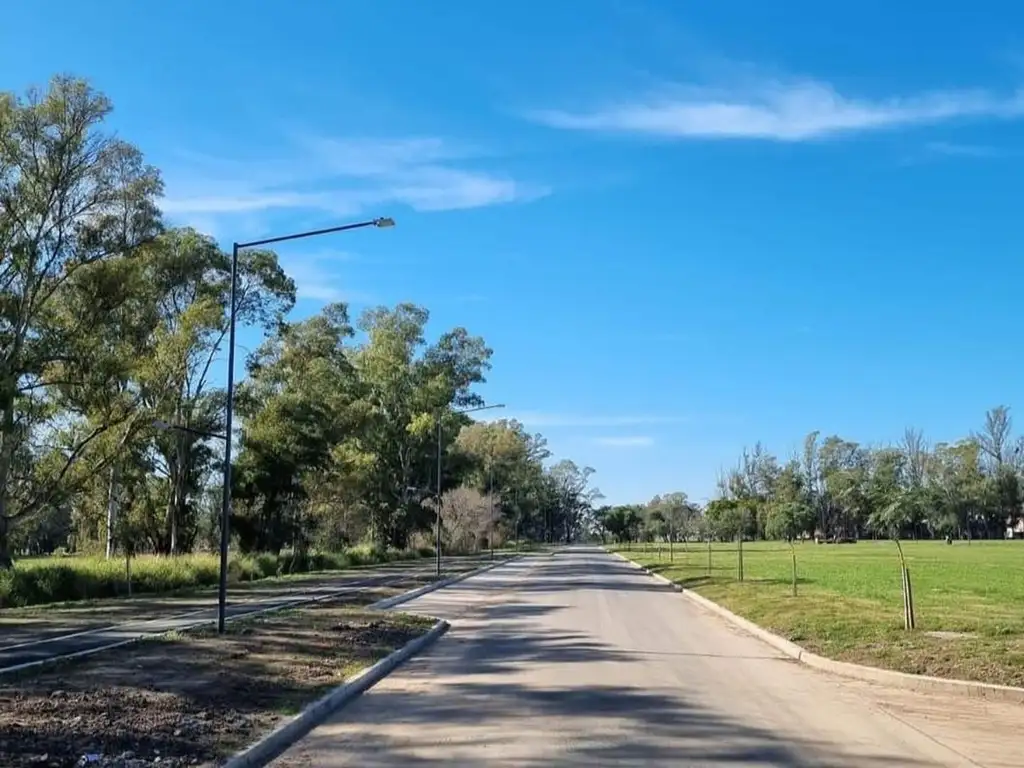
(59,631)
(582,660)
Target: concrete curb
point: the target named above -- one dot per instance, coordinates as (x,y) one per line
(277,741)
(889,677)
(391,602)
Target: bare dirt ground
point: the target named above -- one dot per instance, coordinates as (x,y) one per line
(193,699)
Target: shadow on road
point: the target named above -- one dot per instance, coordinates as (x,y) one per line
(613,724)
(613,575)
(638,729)
(511,686)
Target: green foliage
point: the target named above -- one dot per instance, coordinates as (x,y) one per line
(110,326)
(76,203)
(839,490)
(40,581)
(787,520)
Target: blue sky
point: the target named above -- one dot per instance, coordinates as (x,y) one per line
(683,226)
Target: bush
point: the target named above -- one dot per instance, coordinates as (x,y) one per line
(41,580)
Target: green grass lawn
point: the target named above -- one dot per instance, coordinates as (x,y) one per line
(850,603)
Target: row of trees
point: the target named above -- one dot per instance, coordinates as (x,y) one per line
(837,489)
(112,324)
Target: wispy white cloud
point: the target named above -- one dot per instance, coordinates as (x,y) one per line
(338,176)
(625,441)
(319,277)
(541,419)
(795,110)
(241,202)
(367,157)
(963,150)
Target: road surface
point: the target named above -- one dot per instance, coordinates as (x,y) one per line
(37,635)
(582,660)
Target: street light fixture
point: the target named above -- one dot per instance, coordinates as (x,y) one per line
(440,450)
(382,222)
(490,500)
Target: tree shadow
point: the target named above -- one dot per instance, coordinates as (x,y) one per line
(778,582)
(509,723)
(505,611)
(608,575)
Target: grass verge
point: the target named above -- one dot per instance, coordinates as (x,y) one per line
(44,580)
(969,601)
(193,699)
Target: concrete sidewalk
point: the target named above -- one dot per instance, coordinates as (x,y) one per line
(580,660)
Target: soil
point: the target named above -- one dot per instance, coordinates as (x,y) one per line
(195,699)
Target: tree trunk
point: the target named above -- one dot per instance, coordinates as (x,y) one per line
(792,553)
(170,528)
(111,504)
(172,520)
(5,554)
(6,460)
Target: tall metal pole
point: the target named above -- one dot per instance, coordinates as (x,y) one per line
(437,511)
(225,517)
(490,494)
(518,514)
(225,512)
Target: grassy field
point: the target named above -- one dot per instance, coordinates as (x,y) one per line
(850,604)
(37,581)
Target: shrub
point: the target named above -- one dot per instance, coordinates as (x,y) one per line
(41,580)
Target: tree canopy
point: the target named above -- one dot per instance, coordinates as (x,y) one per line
(836,489)
(113,325)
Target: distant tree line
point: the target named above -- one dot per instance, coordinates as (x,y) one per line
(111,324)
(839,490)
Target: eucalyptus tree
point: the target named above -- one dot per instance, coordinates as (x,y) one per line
(573,499)
(507,463)
(73,200)
(297,408)
(406,386)
(189,279)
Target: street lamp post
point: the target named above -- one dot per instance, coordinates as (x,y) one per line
(440,451)
(490,497)
(225,516)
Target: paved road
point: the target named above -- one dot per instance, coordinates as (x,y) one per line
(60,631)
(581,660)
